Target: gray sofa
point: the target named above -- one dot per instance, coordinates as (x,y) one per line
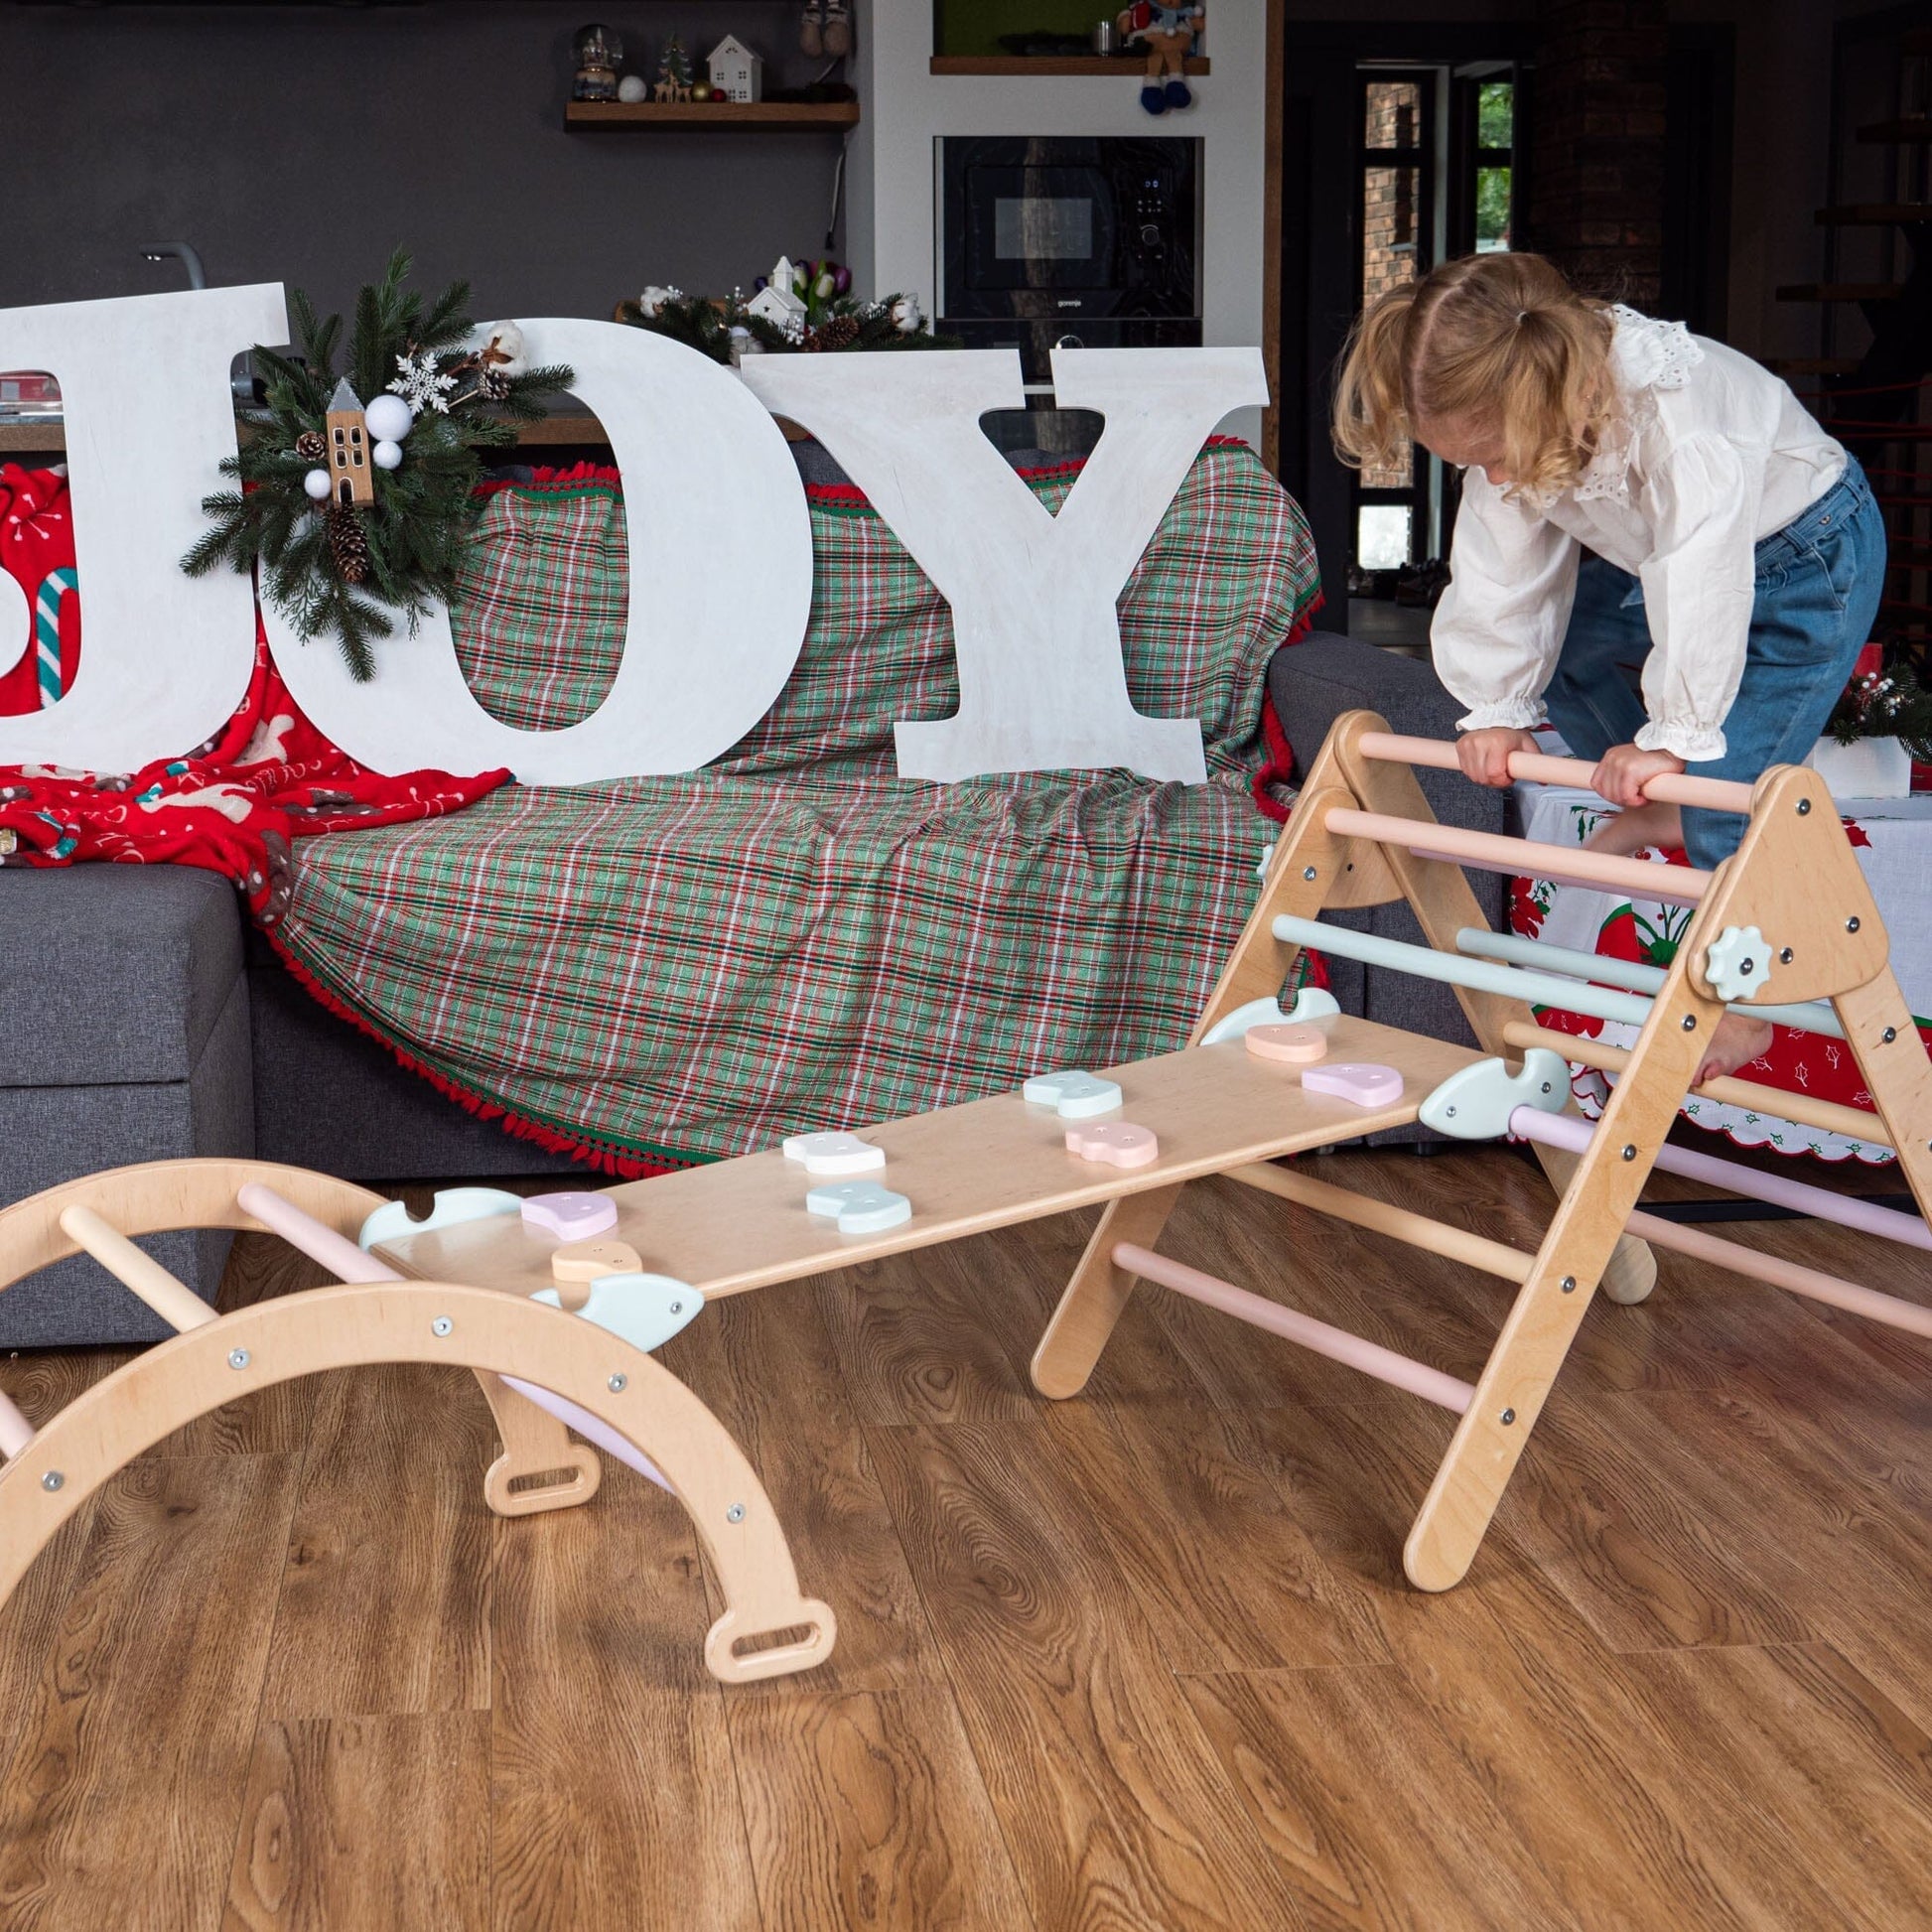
(148,1022)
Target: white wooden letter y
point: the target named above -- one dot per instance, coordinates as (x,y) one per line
(1043,685)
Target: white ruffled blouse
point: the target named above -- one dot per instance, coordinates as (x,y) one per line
(1708,454)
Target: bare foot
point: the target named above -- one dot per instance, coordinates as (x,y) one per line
(1630,831)
(1739,1038)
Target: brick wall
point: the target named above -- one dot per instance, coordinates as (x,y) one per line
(1596,205)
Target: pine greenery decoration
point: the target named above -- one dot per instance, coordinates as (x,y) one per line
(699,322)
(1888,704)
(349,571)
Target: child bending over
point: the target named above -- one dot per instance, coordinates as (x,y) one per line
(1634,499)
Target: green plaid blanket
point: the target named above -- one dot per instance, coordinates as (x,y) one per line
(673,969)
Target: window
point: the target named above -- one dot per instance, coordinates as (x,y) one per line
(1397,227)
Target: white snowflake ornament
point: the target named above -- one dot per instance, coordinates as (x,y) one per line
(421,384)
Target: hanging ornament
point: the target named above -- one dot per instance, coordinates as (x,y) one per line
(316,482)
(387,454)
(312,446)
(389,418)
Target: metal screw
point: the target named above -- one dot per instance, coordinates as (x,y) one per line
(53,1479)
(1569,1283)
(1690,1023)
(441,1326)
(1449,1113)
(1308,871)
(1850,926)
(1804,807)
(1546,1086)
(1747,966)
(619,1382)
(1888,1035)
(1629,1152)
(237,1358)
(735,1513)
(1784,958)
(1509,1416)
(677,1307)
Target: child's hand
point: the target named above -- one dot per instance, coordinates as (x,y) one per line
(1485,753)
(1624,772)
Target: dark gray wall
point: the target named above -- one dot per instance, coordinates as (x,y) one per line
(300,143)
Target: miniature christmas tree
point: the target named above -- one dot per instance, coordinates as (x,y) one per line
(673,71)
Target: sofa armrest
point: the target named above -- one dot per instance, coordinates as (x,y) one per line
(1314,681)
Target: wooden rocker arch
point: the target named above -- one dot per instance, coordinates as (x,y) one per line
(768,1628)
(540,1468)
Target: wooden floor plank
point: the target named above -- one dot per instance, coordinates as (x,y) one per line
(1839,1779)
(1365,1804)
(768,1367)
(1116,1809)
(366,1822)
(124,1783)
(1515,1681)
(614,1798)
(916,1346)
(866,1809)
(386,1604)
(1218,1568)
(1683,1686)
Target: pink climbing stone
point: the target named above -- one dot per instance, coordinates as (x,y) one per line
(572,1216)
(1114,1142)
(1362,1082)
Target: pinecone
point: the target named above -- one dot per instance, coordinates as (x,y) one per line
(493,384)
(840,332)
(312,446)
(348,542)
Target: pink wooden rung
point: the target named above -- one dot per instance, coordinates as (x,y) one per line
(1668,789)
(1492,852)
(1565,1131)
(343,1258)
(1356,1351)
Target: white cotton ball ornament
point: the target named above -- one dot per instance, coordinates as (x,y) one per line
(316,482)
(387,420)
(386,456)
(631,88)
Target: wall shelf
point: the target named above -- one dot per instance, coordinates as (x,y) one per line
(1120,66)
(713,116)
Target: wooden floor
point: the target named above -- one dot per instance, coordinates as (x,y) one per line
(1143,1660)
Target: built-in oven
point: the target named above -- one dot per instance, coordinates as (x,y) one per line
(1087,241)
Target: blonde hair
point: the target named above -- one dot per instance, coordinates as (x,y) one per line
(1498,340)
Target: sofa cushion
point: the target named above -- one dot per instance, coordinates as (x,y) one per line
(112,974)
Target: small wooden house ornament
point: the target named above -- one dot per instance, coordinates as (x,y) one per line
(351,479)
(737,73)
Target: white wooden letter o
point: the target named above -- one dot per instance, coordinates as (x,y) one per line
(721,590)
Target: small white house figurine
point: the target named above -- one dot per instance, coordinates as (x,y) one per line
(778,301)
(737,73)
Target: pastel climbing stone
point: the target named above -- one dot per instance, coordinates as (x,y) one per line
(1311,1004)
(834,1153)
(1115,1144)
(573,1216)
(1363,1083)
(1298,1046)
(453,1206)
(1072,1096)
(1475,1103)
(585,1260)
(859,1206)
(646,1311)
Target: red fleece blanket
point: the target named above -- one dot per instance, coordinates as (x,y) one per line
(233,805)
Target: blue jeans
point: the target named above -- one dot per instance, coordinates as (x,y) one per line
(1816,592)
